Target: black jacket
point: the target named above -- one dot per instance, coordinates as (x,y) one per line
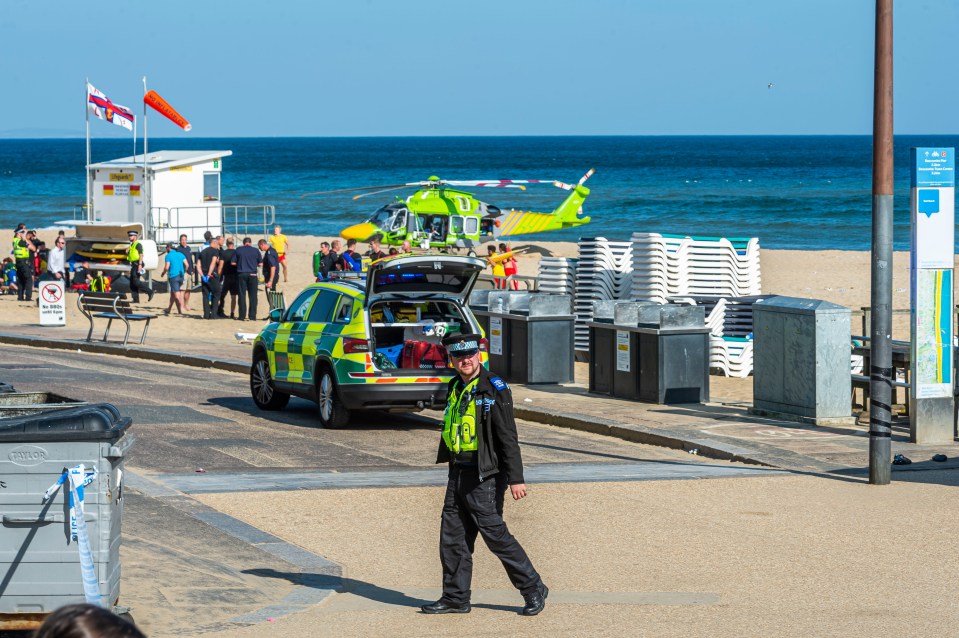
(498,446)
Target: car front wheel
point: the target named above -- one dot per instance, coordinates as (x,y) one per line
(265,395)
(331,410)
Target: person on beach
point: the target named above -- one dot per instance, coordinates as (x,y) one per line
(479,443)
(56,262)
(189,279)
(351,260)
(271,268)
(406,248)
(375,252)
(509,265)
(135,259)
(327,261)
(22,249)
(336,247)
(229,279)
(174,268)
(209,263)
(8,277)
(281,245)
(496,265)
(247,260)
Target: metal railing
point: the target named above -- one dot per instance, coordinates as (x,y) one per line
(530,284)
(167,224)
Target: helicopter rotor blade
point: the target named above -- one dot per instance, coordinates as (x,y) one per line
(585,177)
(497,183)
(382,190)
(361,188)
(564,186)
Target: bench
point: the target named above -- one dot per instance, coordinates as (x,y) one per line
(110,306)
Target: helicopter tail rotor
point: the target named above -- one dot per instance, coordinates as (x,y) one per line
(582,180)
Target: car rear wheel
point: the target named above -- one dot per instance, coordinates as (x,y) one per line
(331,410)
(265,395)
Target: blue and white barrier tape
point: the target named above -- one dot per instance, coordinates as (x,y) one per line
(79,478)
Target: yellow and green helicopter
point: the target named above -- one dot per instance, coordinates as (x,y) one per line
(438,215)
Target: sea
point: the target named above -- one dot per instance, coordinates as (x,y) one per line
(792,192)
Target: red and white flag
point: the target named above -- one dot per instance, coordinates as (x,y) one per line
(101,106)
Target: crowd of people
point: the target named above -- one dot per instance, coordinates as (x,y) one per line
(220,269)
(30,261)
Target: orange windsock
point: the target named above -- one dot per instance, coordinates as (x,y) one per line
(155,101)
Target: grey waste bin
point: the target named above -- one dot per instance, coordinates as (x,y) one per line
(663,359)
(21,403)
(540,328)
(801,354)
(39,561)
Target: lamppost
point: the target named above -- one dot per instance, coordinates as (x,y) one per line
(880,356)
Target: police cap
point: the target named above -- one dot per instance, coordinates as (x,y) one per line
(462,345)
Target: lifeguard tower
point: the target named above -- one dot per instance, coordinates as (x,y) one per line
(180,194)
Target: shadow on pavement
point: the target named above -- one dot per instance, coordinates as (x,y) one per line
(343,585)
(357,588)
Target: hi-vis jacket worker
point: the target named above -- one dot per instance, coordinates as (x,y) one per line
(135,259)
(479,442)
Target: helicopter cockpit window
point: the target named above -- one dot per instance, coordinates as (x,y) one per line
(456,225)
(381,218)
(398,221)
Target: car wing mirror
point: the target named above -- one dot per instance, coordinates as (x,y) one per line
(276,314)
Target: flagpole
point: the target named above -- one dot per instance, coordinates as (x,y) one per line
(86,109)
(146,181)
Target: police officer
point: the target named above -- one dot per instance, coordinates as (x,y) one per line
(22,249)
(479,442)
(135,259)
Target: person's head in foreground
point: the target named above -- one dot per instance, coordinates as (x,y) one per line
(463,350)
(86,621)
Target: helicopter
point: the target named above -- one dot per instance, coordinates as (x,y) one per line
(440,216)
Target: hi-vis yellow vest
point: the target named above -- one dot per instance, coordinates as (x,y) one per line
(133,252)
(459,420)
(19,251)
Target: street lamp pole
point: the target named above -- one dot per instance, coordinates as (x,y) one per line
(881,371)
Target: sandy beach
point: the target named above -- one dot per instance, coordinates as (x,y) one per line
(840,277)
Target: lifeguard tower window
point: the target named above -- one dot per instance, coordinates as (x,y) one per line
(211,187)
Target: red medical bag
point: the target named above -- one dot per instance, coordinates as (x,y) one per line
(423,355)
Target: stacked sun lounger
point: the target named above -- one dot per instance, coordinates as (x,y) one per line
(602,272)
(731,355)
(557,275)
(666,266)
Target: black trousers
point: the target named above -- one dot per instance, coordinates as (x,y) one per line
(24,279)
(246,285)
(136,286)
(211,297)
(472,507)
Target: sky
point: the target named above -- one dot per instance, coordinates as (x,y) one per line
(291,68)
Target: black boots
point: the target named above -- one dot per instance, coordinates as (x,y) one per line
(535,601)
(444,607)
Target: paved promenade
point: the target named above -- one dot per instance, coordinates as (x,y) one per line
(721,429)
(786,539)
